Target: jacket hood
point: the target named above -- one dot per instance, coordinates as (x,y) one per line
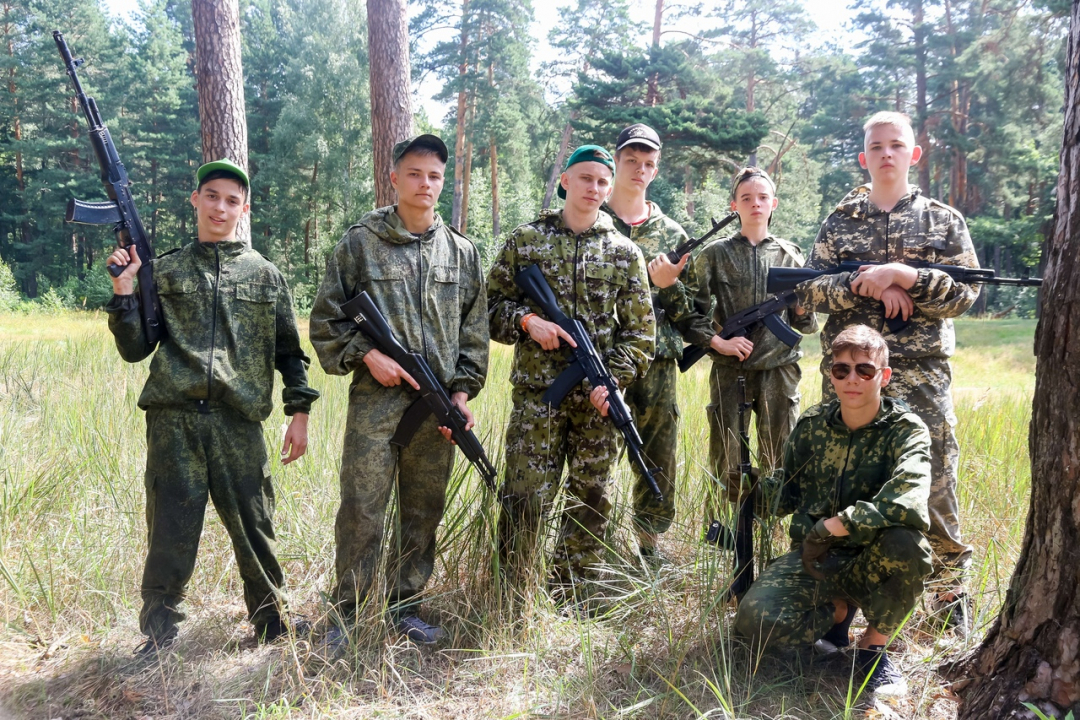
(857,205)
(554,218)
(387,225)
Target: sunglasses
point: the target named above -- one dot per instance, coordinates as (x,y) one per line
(866,371)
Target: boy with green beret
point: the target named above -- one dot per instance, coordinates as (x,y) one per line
(229,322)
(599,278)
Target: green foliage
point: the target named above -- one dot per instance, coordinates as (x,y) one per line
(9,293)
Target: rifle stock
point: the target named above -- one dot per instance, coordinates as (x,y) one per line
(587,365)
(433,396)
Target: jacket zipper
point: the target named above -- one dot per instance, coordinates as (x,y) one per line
(420,294)
(213,324)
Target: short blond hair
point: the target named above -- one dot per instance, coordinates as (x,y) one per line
(887,117)
(864,339)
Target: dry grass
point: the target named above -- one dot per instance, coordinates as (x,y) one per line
(72,543)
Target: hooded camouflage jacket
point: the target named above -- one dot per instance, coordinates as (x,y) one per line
(598,277)
(660,234)
(874,477)
(230,323)
(430,288)
(918,228)
(734,272)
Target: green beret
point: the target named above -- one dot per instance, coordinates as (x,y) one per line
(588,153)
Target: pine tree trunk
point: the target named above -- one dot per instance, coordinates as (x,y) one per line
(459,140)
(467,174)
(560,158)
(652,95)
(220,83)
(921,130)
(1032,652)
(391,101)
(493,154)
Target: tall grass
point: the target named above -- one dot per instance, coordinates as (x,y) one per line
(72,544)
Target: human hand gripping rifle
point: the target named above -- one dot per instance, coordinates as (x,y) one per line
(769,313)
(120,210)
(433,397)
(783,279)
(587,365)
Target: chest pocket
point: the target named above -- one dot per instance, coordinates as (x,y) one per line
(389,290)
(926,245)
(444,285)
(256,292)
(176,284)
(857,246)
(255,310)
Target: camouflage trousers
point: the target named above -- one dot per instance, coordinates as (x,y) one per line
(924,384)
(540,439)
(653,402)
(371,468)
(192,457)
(775,395)
(786,607)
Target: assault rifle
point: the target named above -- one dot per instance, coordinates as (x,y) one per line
(433,397)
(693,243)
(744,526)
(120,210)
(783,279)
(744,322)
(588,365)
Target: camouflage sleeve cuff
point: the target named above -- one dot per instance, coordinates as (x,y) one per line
(298,399)
(121,303)
(922,289)
(358,347)
(469,387)
(671,298)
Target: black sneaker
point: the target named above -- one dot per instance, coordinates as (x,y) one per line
(278,627)
(882,677)
(839,635)
(150,647)
(412,627)
(953,615)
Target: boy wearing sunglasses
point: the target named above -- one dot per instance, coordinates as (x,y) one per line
(855,479)
(890,222)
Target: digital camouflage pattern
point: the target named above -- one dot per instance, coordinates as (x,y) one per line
(660,234)
(598,278)
(922,229)
(540,440)
(370,465)
(192,456)
(653,399)
(731,276)
(775,397)
(787,607)
(230,324)
(654,406)
(918,228)
(924,385)
(876,479)
(430,288)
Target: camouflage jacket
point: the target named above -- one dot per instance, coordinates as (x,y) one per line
(874,477)
(430,288)
(598,277)
(918,228)
(660,234)
(732,274)
(230,323)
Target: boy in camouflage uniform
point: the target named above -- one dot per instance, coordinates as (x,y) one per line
(653,399)
(732,275)
(855,479)
(599,278)
(425,277)
(230,323)
(890,222)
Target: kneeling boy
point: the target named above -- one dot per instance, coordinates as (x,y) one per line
(856,480)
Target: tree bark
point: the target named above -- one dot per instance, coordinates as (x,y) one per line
(467,174)
(219,77)
(560,158)
(1032,652)
(391,99)
(652,95)
(921,112)
(459,141)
